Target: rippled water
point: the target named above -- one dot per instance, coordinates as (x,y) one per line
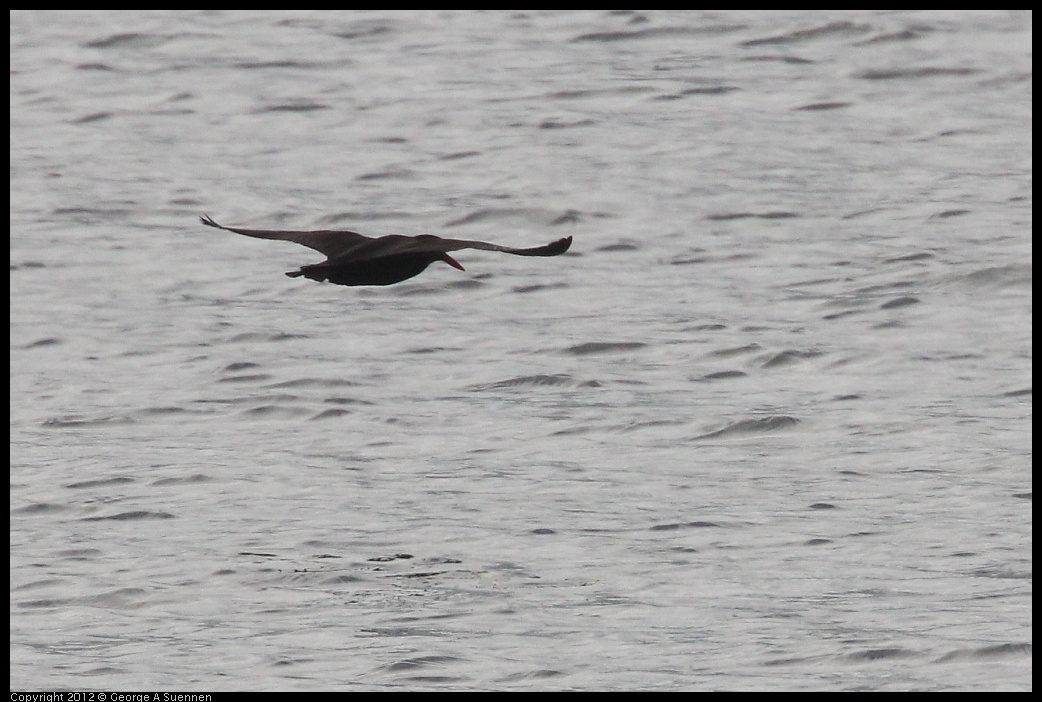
(766,426)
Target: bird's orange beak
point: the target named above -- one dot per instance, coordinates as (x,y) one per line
(452,262)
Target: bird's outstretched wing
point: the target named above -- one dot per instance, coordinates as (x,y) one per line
(553,249)
(396,245)
(326,241)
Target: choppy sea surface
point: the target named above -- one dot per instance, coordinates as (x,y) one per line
(766,426)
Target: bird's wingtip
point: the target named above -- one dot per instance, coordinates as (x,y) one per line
(208,221)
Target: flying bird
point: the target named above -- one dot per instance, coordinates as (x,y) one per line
(354,259)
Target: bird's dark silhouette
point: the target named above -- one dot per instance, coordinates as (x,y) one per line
(354,259)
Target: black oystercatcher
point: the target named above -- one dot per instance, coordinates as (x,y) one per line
(354,259)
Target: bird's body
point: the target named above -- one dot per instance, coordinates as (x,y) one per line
(355,259)
(383,270)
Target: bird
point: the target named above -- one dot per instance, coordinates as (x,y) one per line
(356,259)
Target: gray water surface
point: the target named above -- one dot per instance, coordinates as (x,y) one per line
(766,426)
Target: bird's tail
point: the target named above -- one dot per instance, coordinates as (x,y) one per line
(314,272)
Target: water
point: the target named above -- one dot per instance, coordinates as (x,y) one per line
(766,426)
